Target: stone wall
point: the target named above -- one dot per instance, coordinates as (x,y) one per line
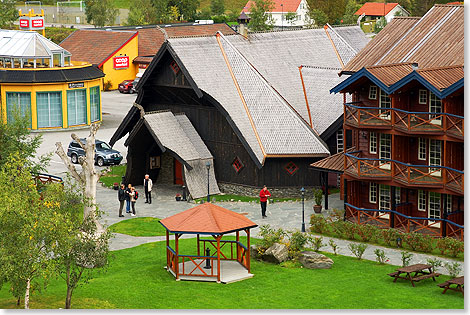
(166,173)
(276,192)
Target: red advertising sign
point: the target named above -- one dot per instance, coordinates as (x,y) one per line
(121,62)
(24,23)
(36,23)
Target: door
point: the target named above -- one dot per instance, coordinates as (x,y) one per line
(435,106)
(434,208)
(435,153)
(385,102)
(384,200)
(385,150)
(178,169)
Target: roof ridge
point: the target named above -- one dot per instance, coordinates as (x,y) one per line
(320,67)
(439,68)
(389,65)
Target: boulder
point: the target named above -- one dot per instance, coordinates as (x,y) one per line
(254,251)
(313,260)
(277,253)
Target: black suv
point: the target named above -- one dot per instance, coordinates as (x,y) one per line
(104,154)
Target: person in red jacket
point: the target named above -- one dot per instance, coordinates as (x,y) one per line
(263,198)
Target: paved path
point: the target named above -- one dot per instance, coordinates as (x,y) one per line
(286,215)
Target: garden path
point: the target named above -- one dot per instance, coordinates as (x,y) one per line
(286,215)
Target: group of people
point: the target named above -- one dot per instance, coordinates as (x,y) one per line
(129,195)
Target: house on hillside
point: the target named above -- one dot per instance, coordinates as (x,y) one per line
(286,13)
(375,10)
(124,52)
(254,109)
(407,123)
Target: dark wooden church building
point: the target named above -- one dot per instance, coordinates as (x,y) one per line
(241,112)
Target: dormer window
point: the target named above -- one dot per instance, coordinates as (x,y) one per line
(423,96)
(373,92)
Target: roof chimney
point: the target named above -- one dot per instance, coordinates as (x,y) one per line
(414,66)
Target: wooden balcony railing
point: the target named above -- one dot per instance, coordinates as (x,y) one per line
(407,174)
(404,121)
(435,227)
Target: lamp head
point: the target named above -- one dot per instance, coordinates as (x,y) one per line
(302,190)
(208,165)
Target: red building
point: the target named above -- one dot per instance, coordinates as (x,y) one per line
(406,122)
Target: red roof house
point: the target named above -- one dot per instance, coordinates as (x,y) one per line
(373,10)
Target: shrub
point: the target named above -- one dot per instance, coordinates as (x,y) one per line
(318,196)
(317,243)
(434,262)
(107,85)
(441,245)
(297,241)
(318,224)
(419,242)
(350,230)
(406,258)
(358,249)
(333,245)
(380,256)
(336,215)
(390,236)
(454,269)
(270,236)
(453,246)
(367,232)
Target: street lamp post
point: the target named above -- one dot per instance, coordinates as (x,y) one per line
(282,17)
(208,166)
(302,191)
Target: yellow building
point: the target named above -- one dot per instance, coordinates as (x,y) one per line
(38,79)
(113,52)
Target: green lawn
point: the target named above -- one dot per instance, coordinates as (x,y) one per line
(139,227)
(114,175)
(136,279)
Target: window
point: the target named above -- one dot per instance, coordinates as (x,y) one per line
(18,103)
(95,107)
(372,92)
(385,100)
(373,142)
(372,192)
(421,200)
(385,146)
(435,153)
(384,197)
(434,205)
(174,66)
(339,141)
(435,106)
(76,107)
(422,149)
(423,96)
(291,168)
(397,195)
(49,107)
(448,204)
(237,165)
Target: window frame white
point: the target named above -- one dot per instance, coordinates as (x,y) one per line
(385,144)
(421,200)
(372,192)
(373,91)
(434,200)
(424,94)
(384,204)
(422,149)
(397,195)
(340,140)
(372,142)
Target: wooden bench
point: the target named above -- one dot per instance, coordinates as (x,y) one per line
(421,272)
(426,276)
(459,282)
(394,274)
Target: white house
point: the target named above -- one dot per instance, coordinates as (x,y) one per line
(280,12)
(375,10)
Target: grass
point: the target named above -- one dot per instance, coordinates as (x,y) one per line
(114,175)
(136,279)
(230,197)
(139,227)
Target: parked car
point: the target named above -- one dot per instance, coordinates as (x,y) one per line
(125,86)
(104,154)
(134,85)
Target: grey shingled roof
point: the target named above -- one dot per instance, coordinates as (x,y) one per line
(176,133)
(345,50)
(325,107)
(353,35)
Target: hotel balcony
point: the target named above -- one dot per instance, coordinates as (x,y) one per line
(403,121)
(430,176)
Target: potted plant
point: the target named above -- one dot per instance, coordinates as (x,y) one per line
(115,186)
(178,197)
(318,196)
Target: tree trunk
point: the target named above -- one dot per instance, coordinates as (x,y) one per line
(68,298)
(26,296)
(18,302)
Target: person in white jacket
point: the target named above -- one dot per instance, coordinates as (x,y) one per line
(148,189)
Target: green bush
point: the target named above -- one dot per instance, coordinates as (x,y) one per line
(318,196)
(406,258)
(297,241)
(318,224)
(333,245)
(380,256)
(434,262)
(390,236)
(419,242)
(367,232)
(454,269)
(270,236)
(317,243)
(358,249)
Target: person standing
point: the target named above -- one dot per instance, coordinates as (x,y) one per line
(263,199)
(133,200)
(148,189)
(121,197)
(128,198)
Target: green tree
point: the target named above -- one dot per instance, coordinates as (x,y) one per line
(290,17)
(380,24)
(334,9)
(260,20)
(100,12)
(351,8)
(186,8)
(319,17)
(217,7)
(141,12)
(161,11)
(8,13)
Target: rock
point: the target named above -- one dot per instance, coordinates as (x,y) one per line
(313,260)
(277,253)
(254,251)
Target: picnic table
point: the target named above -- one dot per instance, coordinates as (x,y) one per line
(421,272)
(457,281)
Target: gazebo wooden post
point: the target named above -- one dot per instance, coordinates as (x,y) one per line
(218,257)
(177,258)
(198,249)
(238,246)
(248,264)
(168,263)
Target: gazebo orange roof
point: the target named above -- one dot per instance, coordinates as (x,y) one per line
(207,219)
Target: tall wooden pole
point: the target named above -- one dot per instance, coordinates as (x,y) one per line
(218,257)
(198,247)
(167,250)
(238,246)
(177,258)
(248,259)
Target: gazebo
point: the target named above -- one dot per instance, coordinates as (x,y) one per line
(218,260)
